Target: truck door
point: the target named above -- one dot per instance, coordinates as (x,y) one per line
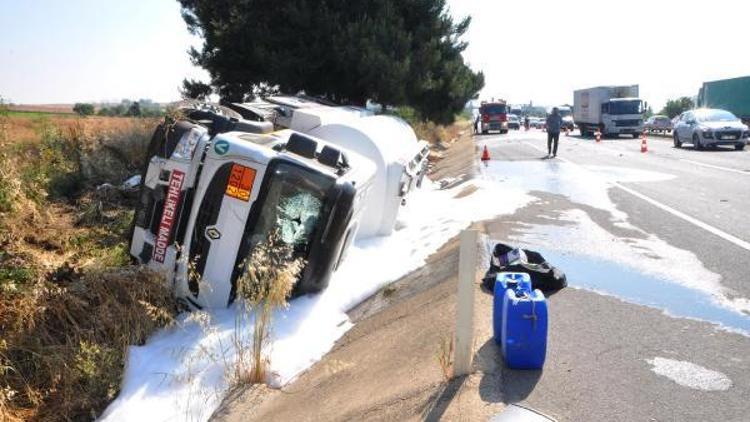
(229,189)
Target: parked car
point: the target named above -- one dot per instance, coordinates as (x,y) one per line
(514,122)
(708,127)
(536,122)
(659,124)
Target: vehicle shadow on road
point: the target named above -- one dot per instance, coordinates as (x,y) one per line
(500,384)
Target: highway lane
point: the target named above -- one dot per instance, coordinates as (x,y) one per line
(602,344)
(712,194)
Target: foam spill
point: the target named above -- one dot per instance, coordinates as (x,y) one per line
(181,373)
(690,375)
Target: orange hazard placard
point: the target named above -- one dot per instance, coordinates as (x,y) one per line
(240,182)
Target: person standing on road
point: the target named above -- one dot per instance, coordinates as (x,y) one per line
(554,123)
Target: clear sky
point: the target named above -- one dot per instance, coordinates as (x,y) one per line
(55,51)
(64,51)
(542,50)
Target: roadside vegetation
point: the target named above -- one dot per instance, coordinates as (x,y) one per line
(266,284)
(677,106)
(434,133)
(70,302)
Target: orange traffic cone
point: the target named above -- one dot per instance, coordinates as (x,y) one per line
(644,146)
(598,135)
(485,154)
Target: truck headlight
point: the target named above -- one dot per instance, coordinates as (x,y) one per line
(746,135)
(707,134)
(186,147)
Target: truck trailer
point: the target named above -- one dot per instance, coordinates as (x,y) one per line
(613,110)
(732,95)
(400,158)
(215,188)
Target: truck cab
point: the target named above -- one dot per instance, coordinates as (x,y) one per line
(623,116)
(613,110)
(493,116)
(206,204)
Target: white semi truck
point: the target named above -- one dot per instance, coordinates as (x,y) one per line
(613,110)
(215,187)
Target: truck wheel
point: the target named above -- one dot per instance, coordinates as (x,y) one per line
(739,147)
(635,136)
(677,143)
(697,142)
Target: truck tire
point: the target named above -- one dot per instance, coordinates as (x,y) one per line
(739,147)
(635,136)
(677,143)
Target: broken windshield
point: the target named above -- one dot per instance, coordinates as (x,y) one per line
(293,205)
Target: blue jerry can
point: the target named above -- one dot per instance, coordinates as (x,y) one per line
(524,329)
(505,281)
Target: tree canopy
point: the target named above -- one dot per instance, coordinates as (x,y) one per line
(83,109)
(676,107)
(393,52)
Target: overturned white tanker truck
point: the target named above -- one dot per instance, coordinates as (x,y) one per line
(215,186)
(219,181)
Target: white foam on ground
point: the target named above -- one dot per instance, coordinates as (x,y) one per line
(180,374)
(690,375)
(646,253)
(643,252)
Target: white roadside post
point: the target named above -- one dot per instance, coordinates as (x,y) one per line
(467,261)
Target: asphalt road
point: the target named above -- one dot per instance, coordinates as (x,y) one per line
(600,346)
(712,187)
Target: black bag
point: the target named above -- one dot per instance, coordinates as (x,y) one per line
(544,276)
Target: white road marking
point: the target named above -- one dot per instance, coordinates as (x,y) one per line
(688,374)
(698,163)
(692,220)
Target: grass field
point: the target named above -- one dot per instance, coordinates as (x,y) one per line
(43,108)
(70,301)
(31,114)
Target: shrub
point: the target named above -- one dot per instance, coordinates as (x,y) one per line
(83,109)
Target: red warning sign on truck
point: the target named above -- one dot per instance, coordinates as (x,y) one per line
(240,182)
(169,215)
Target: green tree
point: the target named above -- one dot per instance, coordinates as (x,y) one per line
(394,52)
(83,109)
(195,90)
(676,107)
(134,110)
(648,112)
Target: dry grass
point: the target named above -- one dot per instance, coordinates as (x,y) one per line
(65,340)
(438,134)
(267,282)
(70,303)
(444,357)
